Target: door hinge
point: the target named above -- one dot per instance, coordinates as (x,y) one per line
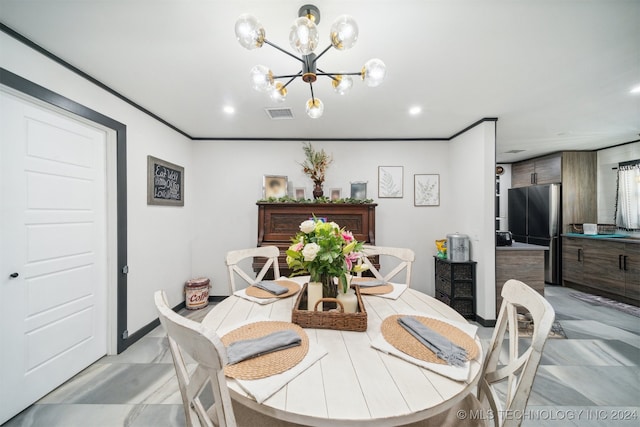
(125,334)
(125,269)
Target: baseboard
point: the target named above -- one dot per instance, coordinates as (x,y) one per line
(486,323)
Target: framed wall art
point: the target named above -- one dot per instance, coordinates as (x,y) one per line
(274,186)
(390,181)
(359,190)
(426,190)
(165,183)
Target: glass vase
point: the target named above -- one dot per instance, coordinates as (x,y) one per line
(329,286)
(317,190)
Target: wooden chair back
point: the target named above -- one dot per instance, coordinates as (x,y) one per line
(403,257)
(205,347)
(519,370)
(234,258)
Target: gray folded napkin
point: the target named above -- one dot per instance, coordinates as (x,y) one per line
(254,347)
(369,283)
(451,353)
(271,287)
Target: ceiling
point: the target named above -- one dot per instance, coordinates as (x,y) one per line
(557,74)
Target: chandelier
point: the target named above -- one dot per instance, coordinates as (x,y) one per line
(304,39)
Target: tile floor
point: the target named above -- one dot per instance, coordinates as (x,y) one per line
(592,378)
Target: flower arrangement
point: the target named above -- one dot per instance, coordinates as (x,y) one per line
(323,249)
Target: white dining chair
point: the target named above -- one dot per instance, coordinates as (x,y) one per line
(206,349)
(234,259)
(402,259)
(505,385)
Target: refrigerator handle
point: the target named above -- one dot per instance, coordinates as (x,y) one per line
(554,210)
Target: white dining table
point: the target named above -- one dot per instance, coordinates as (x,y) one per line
(354,384)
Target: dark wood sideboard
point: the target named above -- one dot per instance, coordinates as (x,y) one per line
(279,222)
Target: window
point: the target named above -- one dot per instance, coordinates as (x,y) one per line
(628,196)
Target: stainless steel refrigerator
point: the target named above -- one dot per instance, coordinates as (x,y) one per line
(534,218)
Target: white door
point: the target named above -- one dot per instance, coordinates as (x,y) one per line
(53,250)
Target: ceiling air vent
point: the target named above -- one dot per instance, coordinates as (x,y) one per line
(279,113)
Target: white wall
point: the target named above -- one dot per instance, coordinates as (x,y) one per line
(226,211)
(158,237)
(472,206)
(607,160)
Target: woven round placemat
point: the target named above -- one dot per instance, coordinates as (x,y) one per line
(270,363)
(292,287)
(371,290)
(398,337)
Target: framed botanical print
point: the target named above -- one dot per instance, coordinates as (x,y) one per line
(426,190)
(390,181)
(274,186)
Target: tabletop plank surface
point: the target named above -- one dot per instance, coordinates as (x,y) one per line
(354,384)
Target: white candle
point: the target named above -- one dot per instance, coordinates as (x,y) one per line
(314,293)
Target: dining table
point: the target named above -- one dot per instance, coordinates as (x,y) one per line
(353,383)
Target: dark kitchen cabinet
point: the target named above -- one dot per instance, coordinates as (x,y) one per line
(542,170)
(607,266)
(572,260)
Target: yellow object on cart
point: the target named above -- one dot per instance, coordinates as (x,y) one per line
(441,246)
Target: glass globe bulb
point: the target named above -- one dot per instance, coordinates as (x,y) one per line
(303,36)
(373,72)
(315,108)
(279,92)
(342,84)
(344,32)
(249,31)
(261,78)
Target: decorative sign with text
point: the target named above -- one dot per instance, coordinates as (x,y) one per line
(165,183)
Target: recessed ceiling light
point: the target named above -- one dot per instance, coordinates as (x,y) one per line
(635,89)
(415,110)
(229,109)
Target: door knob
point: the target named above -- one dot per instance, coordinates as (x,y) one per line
(13,275)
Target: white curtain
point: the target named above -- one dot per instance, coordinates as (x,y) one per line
(628,198)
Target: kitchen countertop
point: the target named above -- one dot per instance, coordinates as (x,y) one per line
(621,238)
(517,246)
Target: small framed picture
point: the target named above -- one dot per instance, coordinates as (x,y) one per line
(359,190)
(426,190)
(274,186)
(390,181)
(300,193)
(336,193)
